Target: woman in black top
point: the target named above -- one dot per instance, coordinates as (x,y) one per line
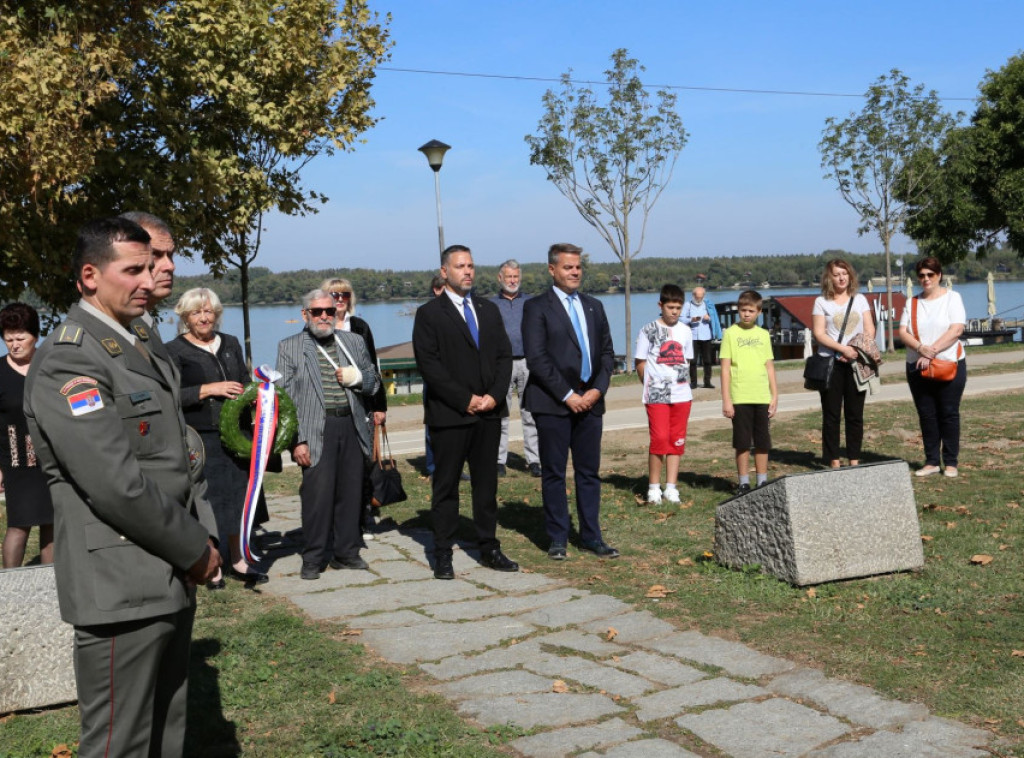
(213,370)
(28,497)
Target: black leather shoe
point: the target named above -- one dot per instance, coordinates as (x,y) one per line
(249,577)
(557,553)
(356,563)
(217,585)
(535,470)
(601,550)
(497,560)
(742,489)
(310,570)
(443,568)
(502,470)
(709,386)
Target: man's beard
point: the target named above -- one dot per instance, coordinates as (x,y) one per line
(320,329)
(510,290)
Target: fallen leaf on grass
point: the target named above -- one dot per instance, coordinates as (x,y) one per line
(685,561)
(920,653)
(708,554)
(559,686)
(981,559)
(658,591)
(1017,654)
(61,751)
(951,525)
(611,634)
(595,579)
(1004,547)
(926,538)
(332,698)
(1013,505)
(351,632)
(963,510)
(640,499)
(687,504)
(812,592)
(661,518)
(993,722)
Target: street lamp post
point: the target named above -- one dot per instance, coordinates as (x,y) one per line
(435,150)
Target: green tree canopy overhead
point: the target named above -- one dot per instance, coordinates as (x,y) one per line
(612,159)
(875,157)
(203,112)
(979,197)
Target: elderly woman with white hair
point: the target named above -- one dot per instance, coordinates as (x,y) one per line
(213,370)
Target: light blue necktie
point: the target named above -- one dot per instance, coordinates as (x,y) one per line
(578,328)
(471,322)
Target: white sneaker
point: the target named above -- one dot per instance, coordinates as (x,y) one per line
(368,537)
(654,496)
(672,495)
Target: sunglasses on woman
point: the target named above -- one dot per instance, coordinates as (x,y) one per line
(341,295)
(926,275)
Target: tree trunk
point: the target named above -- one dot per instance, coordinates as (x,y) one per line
(890,345)
(628,277)
(243,280)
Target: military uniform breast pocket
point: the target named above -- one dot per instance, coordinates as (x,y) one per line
(143,419)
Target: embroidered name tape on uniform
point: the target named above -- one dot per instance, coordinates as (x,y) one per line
(75,382)
(85,402)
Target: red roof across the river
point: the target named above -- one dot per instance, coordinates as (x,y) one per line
(800,306)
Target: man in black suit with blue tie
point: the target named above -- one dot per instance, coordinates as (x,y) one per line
(464,355)
(569,354)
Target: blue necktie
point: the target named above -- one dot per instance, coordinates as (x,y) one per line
(471,321)
(578,328)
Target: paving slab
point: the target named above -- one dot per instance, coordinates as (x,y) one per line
(493,684)
(355,601)
(896,745)
(853,702)
(377,551)
(734,657)
(582,642)
(773,727)
(510,657)
(436,640)
(497,606)
(576,611)
(589,673)
(402,571)
(658,668)
(672,702)
(292,585)
(655,748)
(561,742)
(541,709)
(634,626)
(388,619)
(511,581)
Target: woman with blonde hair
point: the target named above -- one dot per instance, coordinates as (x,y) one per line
(213,370)
(839,315)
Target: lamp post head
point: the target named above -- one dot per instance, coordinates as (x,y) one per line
(435,150)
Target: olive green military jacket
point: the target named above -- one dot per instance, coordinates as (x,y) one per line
(108,430)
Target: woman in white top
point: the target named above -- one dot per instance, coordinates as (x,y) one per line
(843,395)
(936,335)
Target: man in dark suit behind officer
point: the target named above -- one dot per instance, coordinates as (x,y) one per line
(132,537)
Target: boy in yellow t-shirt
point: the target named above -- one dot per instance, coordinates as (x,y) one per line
(749,393)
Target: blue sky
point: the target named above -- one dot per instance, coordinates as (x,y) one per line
(748,182)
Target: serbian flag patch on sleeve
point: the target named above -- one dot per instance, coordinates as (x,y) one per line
(85,402)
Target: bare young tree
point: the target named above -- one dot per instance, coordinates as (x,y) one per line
(611,159)
(875,157)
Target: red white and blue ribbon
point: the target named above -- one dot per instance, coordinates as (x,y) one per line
(264,429)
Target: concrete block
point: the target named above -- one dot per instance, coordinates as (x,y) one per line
(824,525)
(36,647)
(561,742)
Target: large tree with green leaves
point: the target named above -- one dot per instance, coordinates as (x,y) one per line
(876,158)
(204,112)
(612,157)
(979,197)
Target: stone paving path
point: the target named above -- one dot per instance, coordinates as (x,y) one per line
(636,685)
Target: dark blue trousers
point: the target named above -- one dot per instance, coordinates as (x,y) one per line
(557,436)
(938,409)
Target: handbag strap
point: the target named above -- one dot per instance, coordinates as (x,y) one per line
(846,318)
(381,445)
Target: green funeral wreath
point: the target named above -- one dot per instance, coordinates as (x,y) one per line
(234,438)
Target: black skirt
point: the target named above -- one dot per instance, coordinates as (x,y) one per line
(28,497)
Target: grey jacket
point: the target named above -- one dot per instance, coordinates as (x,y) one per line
(300,371)
(129,521)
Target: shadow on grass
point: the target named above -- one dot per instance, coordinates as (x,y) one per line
(209,734)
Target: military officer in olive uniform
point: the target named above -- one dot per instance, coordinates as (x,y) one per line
(132,538)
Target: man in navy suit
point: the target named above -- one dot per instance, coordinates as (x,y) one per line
(570,358)
(464,356)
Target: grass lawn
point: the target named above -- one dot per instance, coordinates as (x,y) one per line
(949,636)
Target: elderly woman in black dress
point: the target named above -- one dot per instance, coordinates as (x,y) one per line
(213,370)
(28,497)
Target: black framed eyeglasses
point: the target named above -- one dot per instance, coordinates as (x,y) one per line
(341,295)
(318,312)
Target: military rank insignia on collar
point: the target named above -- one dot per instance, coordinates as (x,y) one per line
(111,345)
(141,331)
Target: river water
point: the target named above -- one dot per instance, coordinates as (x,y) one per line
(392,321)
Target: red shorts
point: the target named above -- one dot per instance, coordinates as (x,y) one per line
(667,423)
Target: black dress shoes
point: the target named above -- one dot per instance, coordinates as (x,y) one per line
(502,470)
(601,550)
(535,470)
(249,577)
(557,552)
(217,585)
(310,570)
(356,563)
(443,568)
(497,560)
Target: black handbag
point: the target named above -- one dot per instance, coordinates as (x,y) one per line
(385,479)
(818,369)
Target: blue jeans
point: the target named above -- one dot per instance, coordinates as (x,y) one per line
(938,409)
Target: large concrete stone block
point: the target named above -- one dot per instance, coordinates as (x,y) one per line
(824,525)
(36,659)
